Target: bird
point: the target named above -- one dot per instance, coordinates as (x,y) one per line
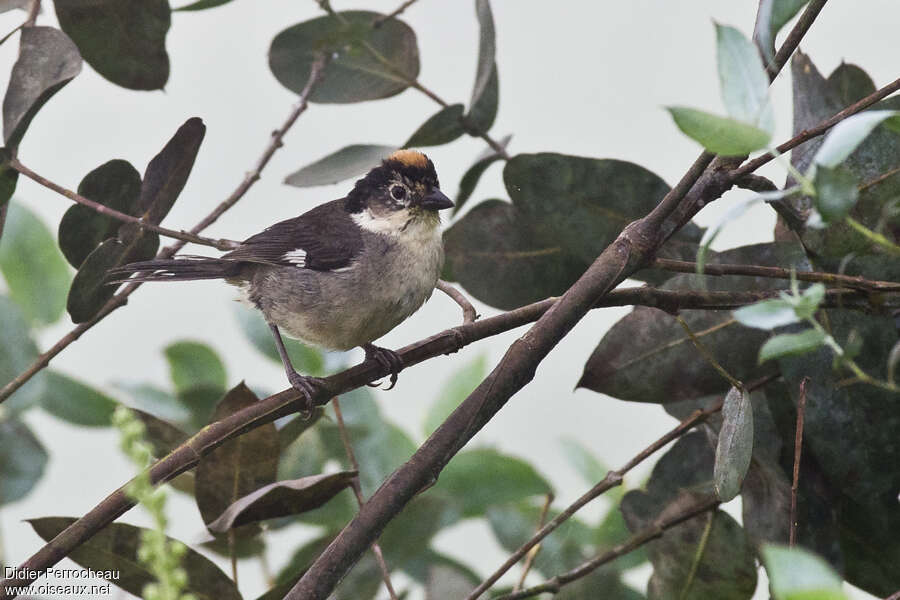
(340,275)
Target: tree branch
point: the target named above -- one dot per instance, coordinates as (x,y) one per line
(121,298)
(849,281)
(798,449)
(120,216)
(648,534)
(469,314)
(393,14)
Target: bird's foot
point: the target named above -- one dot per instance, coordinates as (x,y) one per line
(307,386)
(388,359)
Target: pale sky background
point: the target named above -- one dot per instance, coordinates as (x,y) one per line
(584,78)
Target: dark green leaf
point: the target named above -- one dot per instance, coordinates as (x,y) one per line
(483,106)
(114,548)
(35,272)
(155,401)
(8,177)
(17,352)
(743,80)
(115,184)
(124,40)
(349,161)
(167,173)
(90,291)
(473,174)
(791,344)
(797,574)
(612,531)
(409,535)
(497,258)
(201,5)
(621,367)
(482,478)
(482,112)
(869,545)
(461,384)
(767,314)
(305,359)
(847,135)
(281,499)
(735,446)
(75,402)
(302,452)
(682,478)
(352,74)
(850,83)
(47,61)
(194,364)
(720,135)
(441,128)
(361,583)
(22,460)
(239,466)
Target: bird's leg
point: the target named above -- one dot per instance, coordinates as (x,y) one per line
(305,384)
(388,359)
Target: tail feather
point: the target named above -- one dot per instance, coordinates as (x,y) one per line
(185,268)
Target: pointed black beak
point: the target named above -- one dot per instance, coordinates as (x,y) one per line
(436,200)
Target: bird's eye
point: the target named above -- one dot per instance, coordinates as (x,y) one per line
(398,192)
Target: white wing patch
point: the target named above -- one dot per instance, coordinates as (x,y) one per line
(296,257)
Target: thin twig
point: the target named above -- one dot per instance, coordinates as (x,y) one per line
(556,583)
(393,14)
(121,298)
(852,282)
(798,449)
(33,9)
(793,38)
(708,356)
(357,491)
(120,216)
(232,552)
(698,556)
(469,313)
(529,558)
(821,128)
(10,34)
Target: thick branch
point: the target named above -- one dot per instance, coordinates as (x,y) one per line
(849,281)
(121,298)
(652,532)
(185,236)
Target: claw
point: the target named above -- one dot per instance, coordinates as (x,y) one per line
(307,386)
(388,359)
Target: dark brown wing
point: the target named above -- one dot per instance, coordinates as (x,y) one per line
(323,239)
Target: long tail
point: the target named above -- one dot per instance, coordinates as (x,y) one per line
(185,268)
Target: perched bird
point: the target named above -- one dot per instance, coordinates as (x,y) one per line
(341,275)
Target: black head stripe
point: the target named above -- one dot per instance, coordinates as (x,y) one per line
(379,177)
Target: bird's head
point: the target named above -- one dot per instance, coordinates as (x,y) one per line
(403,189)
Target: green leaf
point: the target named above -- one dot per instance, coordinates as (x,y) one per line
(735,445)
(349,161)
(8,177)
(17,352)
(482,113)
(305,359)
(22,460)
(47,61)
(457,389)
(493,253)
(797,574)
(719,135)
(767,314)
(35,272)
(115,548)
(847,135)
(743,80)
(115,184)
(441,128)
(155,401)
(281,499)
(201,5)
(850,84)
(836,192)
(791,344)
(239,466)
(771,17)
(90,291)
(473,174)
(583,461)
(194,364)
(478,479)
(486,72)
(447,582)
(168,171)
(75,402)
(352,74)
(808,303)
(124,40)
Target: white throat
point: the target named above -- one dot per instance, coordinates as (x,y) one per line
(394,223)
